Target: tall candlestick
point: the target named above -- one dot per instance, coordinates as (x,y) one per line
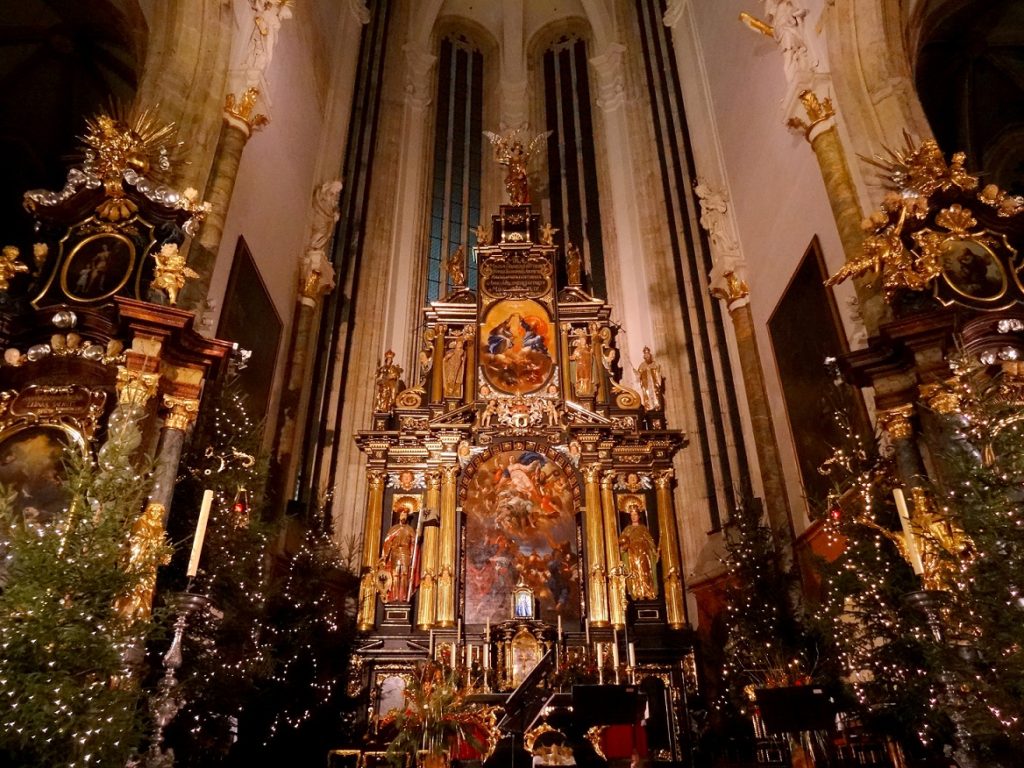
(197,542)
(913,553)
(615,657)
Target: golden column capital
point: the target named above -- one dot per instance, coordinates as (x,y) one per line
(818,111)
(240,111)
(376,478)
(135,387)
(591,472)
(730,288)
(182,412)
(940,398)
(608,478)
(663,478)
(433,478)
(896,422)
(449,473)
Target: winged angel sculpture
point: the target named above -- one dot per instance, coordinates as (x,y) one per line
(513,149)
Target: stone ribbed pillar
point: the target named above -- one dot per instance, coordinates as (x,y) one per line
(426,600)
(735,293)
(447,566)
(371,549)
(616,576)
(594,547)
(668,548)
(820,131)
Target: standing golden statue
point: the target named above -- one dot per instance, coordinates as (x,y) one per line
(513,150)
(639,554)
(649,374)
(394,570)
(455,266)
(148,549)
(386,381)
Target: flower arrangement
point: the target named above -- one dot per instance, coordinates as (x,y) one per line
(436,720)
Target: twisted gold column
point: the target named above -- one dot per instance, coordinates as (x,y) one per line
(616,577)
(593,538)
(426,602)
(447,548)
(371,547)
(671,562)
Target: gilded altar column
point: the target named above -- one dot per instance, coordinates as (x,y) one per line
(616,577)
(895,422)
(180,414)
(447,548)
(668,545)
(594,546)
(371,549)
(426,601)
(820,131)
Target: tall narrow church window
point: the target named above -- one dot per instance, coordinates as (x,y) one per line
(458,137)
(572,169)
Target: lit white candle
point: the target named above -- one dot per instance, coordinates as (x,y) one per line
(197,542)
(615,655)
(455,650)
(458,632)
(487,631)
(600,664)
(908,532)
(559,627)
(631,651)
(587,626)
(487,657)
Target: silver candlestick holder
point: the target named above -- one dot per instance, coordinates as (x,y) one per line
(165,702)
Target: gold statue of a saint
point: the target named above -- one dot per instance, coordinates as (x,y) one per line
(649,374)
(395,566)
(573,264)
(148,550)
(639,554)
(10,265)
(455,266)
(386,381)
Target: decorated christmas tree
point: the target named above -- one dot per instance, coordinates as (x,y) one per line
(74,615)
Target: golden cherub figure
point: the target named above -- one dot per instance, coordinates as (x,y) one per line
(171,272)
(10,266)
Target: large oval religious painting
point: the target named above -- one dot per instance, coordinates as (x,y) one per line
(520,523)
(516,345)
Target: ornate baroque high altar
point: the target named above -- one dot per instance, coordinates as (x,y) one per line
(519,465)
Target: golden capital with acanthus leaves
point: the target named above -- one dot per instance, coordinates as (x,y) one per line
(376,478)
(608,477)
(896,422)
(730,288)
(243,108)
(940,398)
(433,476)
(591,473)
(818,111)
(663,478)
(135,387)
(182,412)
(449,472)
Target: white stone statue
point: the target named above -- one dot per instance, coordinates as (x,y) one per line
(267,17)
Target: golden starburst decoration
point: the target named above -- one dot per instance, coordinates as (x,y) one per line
(118,140)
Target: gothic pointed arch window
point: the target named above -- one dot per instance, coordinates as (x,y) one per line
(572,168)
(456,171)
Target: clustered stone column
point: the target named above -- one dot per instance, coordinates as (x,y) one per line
(594,548)
(371,547)
(447,566)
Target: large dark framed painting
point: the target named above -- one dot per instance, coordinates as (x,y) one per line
(520,524)
(805,330)
(250,319)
